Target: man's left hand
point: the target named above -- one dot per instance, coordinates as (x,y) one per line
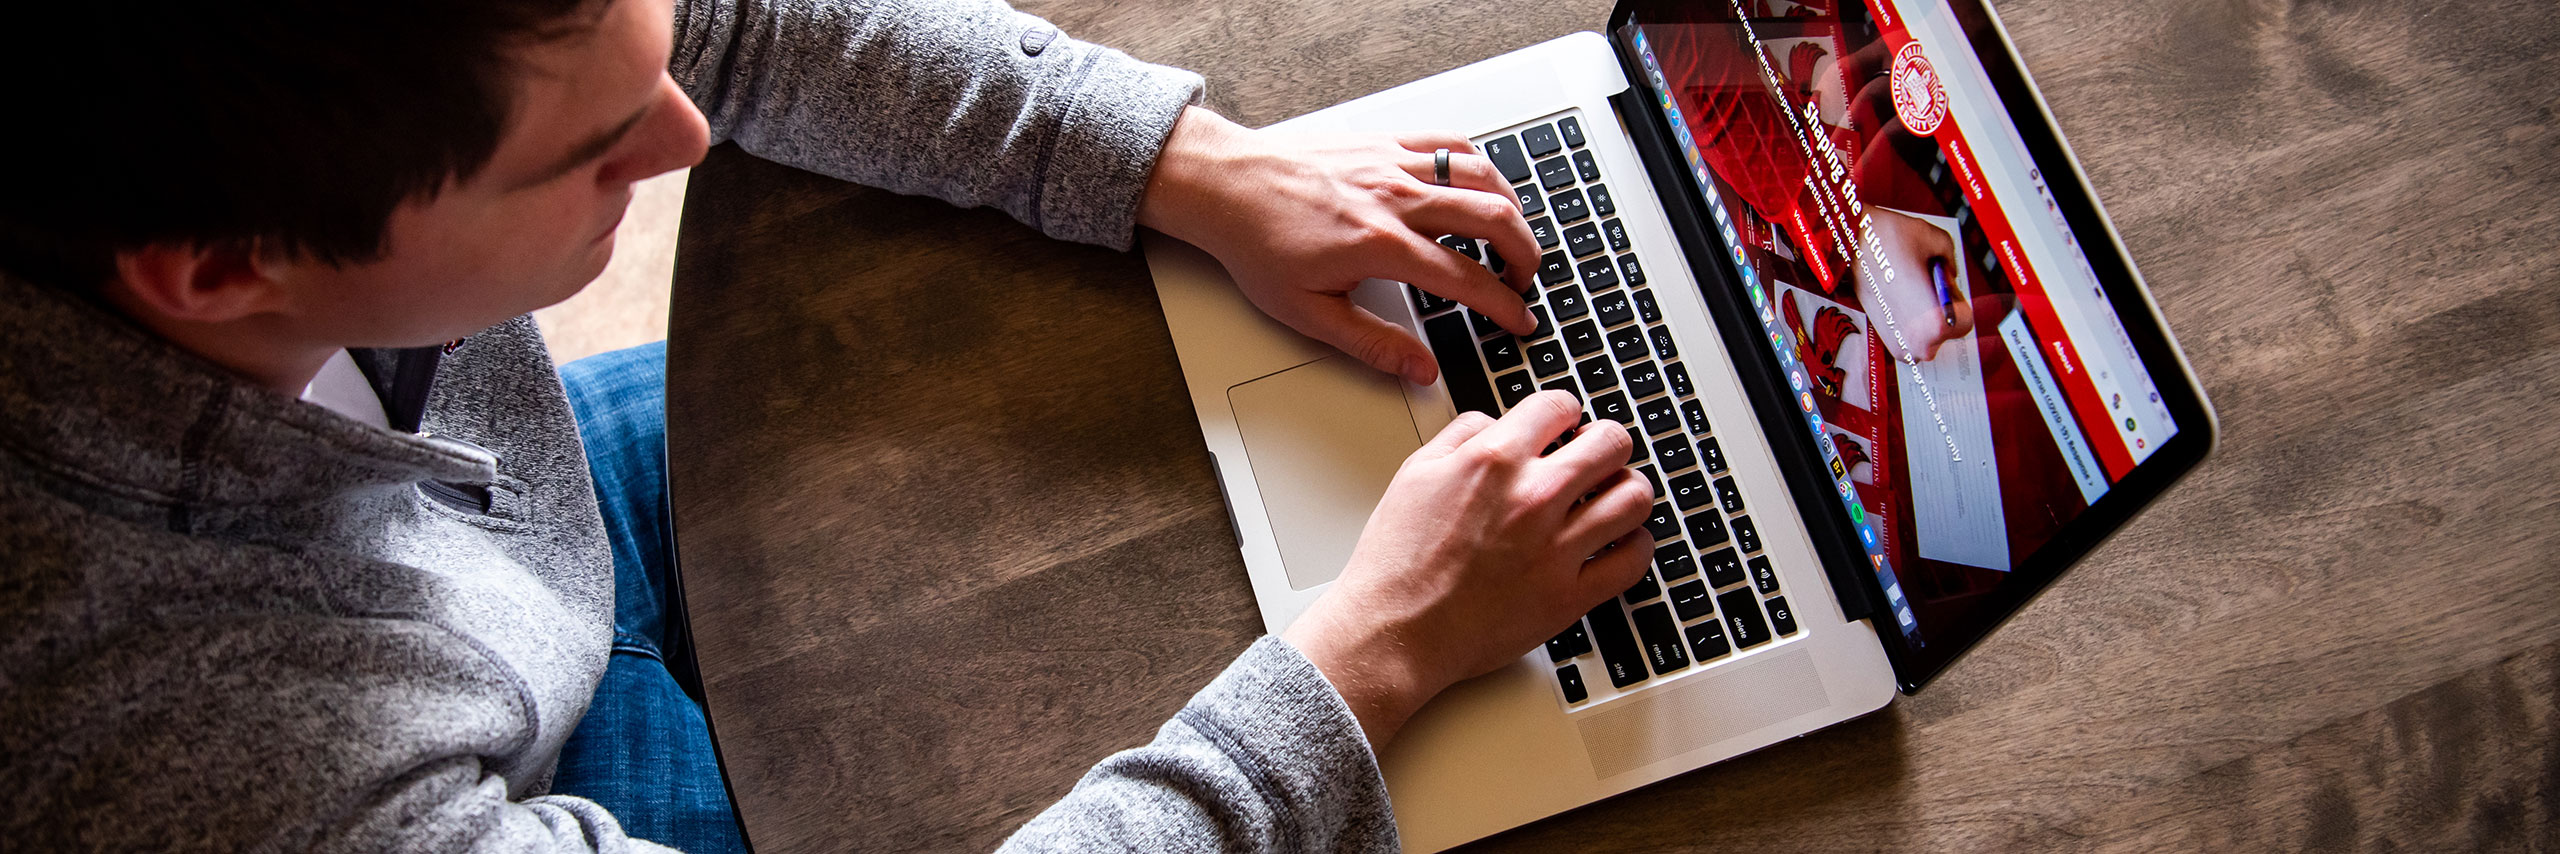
(1300,221)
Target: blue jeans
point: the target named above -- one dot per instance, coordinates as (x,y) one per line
(644,749)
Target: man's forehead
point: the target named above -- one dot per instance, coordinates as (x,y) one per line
(570,88)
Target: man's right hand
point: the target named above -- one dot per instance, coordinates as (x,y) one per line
(1481,549)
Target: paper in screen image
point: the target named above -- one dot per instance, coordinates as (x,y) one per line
(1954,469)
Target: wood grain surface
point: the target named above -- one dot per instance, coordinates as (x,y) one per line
(949,535)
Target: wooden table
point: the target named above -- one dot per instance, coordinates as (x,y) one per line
(949,535)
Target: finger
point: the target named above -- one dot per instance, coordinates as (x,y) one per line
(1527,428)
(1458,431)
(1868,61)
(1426,141)
(1367,337)
(1493,215)
(1462,212)
(1594,453)
(1622,505)
(1432,267)
(1617,569)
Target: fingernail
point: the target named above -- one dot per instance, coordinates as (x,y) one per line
(1417,370)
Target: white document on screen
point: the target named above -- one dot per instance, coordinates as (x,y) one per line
(1946,438)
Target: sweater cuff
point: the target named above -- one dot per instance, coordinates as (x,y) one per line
(1285,723)
(1122,110)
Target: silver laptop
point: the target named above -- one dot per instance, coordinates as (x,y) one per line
(1834,269)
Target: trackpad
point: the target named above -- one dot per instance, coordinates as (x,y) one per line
(1323,438)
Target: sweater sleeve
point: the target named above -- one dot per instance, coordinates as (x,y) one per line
(968,101)
(1266,758)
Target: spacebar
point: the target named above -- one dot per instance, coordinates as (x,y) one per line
(1456,349)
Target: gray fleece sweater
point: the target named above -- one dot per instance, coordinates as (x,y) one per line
(231,620)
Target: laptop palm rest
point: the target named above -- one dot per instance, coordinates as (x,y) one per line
(1323,439)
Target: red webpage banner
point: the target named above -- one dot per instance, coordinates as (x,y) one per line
(1920,101)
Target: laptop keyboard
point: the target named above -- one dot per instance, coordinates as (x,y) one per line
(1710,593)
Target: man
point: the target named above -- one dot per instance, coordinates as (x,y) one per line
(299,545)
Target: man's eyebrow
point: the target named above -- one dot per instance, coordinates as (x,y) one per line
(587,151)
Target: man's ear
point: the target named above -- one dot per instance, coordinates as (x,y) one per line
(207,283)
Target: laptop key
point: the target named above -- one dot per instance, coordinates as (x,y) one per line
(1613,406)
(1654,478)
(1635,444)
(1568,643)
(1690,491)
(1504,151)
(1646,308)
(1617,233)
(1581,240)
(1555,268)
(1692,600)
(1662,345)
(1464,245)
(1426,303)
(1729,496)
(1635,276)
(1600,202)
(1569,206)
(1532,203)
(1539,313)
(1587,165)
(1541,141)
(1562,383)
(1568,303)
(1612,308)
(1780,618)
(1742,617)
(1627,343)
(1597,375)
(1696,414)
(1618,652)
(1502,352)
(1674,452)
(1484,326)
(1569,677)
(1545,231)
(1598,277)
(1661,636)
(1514,387)
(1706,640)
(1724,568)
(1763,576)
(1679,377)
(1745,534)
(1554,172)
(1459,370)
(1711,454)
(1673,561)
(1580,337)
(1706,528)
(1643,589)
(1571,129)
(1547,358)
(1643,379)
(1658,416)
(1663,524)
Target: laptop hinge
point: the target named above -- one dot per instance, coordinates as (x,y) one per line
(1835,541)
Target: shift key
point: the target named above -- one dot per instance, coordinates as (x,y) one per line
(1618,653)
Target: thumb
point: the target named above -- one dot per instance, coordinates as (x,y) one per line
(1335,320)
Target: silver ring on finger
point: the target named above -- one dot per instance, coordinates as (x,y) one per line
(1440,167)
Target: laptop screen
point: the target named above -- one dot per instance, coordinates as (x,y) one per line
(1968,382)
